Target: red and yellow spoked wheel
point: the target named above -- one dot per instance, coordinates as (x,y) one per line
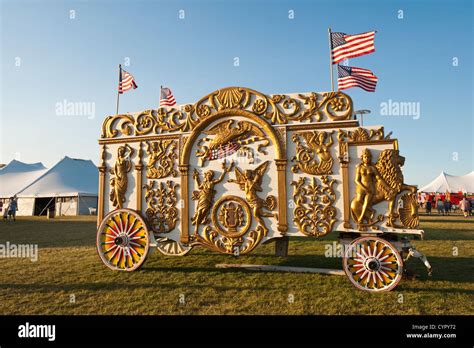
(123,240)
(373,264)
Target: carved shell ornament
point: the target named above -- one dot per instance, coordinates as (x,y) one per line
(276,109)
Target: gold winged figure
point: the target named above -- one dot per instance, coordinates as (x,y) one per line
(228,139)
(250,181)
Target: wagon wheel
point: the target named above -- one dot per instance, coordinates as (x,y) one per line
(170,247)
(123,240)
(373,264)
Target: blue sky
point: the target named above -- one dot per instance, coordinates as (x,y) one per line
(47,57)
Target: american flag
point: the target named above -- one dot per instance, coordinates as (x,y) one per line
(166,98)
(223,151)
(127,81)
(349,46)
(356,77)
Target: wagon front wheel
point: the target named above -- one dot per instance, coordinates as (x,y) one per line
(123,240)
(373,264)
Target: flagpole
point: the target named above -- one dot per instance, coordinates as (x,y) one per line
(331,69)
(118,87)
(159,99)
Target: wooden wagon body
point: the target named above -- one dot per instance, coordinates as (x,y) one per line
(240,168)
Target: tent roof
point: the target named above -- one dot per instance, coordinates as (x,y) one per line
(16,175)
(69,177)
(451,183)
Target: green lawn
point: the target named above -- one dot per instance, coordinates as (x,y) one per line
(69,268)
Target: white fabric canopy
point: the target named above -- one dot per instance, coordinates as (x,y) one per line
(451,183)
(69,177)
(16,175)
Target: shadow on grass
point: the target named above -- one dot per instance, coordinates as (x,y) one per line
(121,286)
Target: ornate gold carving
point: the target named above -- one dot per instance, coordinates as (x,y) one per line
(119,183)
(360,135)
(231,216)
(161,159)
(250,181)
(318,145)
(229,139)
(205,194)
(161,202)
(408,211)
(278,109)
(314,212)
(376,183)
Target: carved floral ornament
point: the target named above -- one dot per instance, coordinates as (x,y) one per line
(276,109)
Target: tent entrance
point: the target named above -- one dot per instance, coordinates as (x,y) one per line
(43,204)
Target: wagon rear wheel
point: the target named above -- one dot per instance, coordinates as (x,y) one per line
(170,247)
(373,264)
(123,240)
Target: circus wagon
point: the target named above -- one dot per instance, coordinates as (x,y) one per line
(240,168)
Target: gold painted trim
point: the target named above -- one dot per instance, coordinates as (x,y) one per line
(102,170)
(139,171)
(315,126)
(184,170)
(135,139)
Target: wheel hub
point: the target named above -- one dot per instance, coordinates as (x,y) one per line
(372,264)
(121,240)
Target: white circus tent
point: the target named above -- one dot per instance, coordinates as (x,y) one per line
(451,183)
(69,187)
(16,175)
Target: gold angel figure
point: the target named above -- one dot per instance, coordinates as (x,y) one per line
(250,181)
(205,193)
(119,183)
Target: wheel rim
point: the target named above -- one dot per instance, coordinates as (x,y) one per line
(170,247)
(123,240)
(373,264)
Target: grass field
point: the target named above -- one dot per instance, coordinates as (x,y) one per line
(69,278)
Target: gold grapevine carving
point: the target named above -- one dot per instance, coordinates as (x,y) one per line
(314,212)
(161,200)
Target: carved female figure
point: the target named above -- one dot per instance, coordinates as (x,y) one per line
(366,179)
(322,149)
(119,183)
(205,194)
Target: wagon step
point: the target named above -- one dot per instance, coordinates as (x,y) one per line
(274,268)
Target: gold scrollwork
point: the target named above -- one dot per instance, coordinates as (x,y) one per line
(119,182)
(229,139)
(161,159)
(314,212)
(161,202)
(319,144)
(278,109)
(359,135)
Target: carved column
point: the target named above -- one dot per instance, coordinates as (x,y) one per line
(282,203)
(184,170)
(102,170)
(344,160)
(139,176)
